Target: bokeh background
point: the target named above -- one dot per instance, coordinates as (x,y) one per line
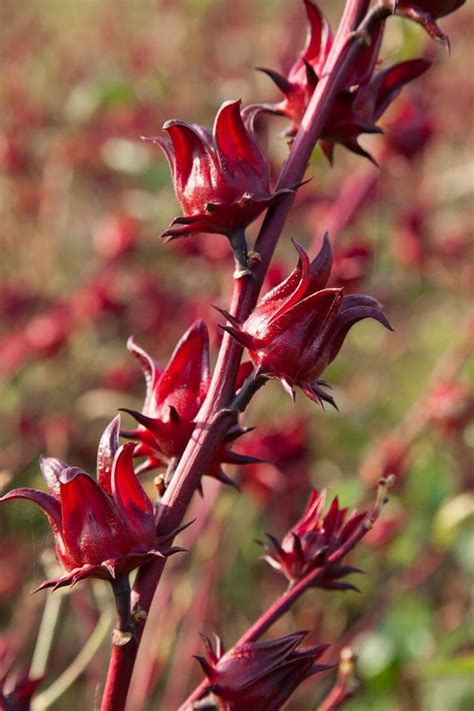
(82,202)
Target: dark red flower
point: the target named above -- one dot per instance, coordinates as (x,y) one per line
(16,686)
(410,129)
(363,98)
(102,528)
(450,407)
(174,396)
(259,675)
(282,471)
(426,12)
(352,265)
(221,179)
(116,236)
(436,8)
(298,328)
(314,541)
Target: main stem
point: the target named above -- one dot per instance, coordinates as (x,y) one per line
(211,428)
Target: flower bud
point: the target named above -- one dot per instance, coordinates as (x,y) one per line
(298,328)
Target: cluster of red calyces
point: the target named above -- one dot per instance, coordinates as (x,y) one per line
(259,675)
(298,327)
(361,101)
(102,528)
(221,179)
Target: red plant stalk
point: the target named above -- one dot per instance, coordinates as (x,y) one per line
(218,412)
(312,579)
(346,684)
(144,674)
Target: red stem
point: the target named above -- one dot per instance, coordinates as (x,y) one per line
(211,427)
(314,578)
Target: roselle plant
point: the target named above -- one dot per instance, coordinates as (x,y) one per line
(190,424)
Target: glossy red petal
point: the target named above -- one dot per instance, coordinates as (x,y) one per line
(321,267)
(91,527)
(245,370)
(312,515)
(248,663)
(185,380)
(309,321)
(281,297)
(319,39)
(166,146)
(236,146)
(152,372)
(130,497)
(192,156)
(108,446)
(354,308)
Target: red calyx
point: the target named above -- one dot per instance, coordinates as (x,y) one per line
(103,528)
(260,675)
(298,328)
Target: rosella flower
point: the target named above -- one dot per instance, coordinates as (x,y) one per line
(352,264)
(450,407)
(103,528)
(298,327)
(313,541)
(410,129)
(284,451)
(174,396)
(319,542)
(221,179)
(362,99)
(426,12)
(16,687)
(259,675)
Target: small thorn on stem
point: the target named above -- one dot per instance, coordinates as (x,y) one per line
(120,638)
(362,36)
(123,633)
(138,614)
(159,482)
(239,247)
